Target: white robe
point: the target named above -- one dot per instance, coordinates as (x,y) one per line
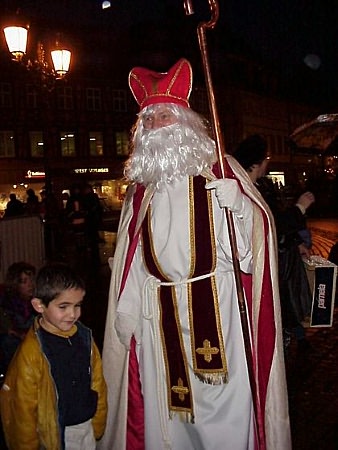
(223,413)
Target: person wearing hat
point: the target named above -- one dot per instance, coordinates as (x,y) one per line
(173,354)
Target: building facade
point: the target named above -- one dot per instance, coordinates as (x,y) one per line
(77,130)
(74,132)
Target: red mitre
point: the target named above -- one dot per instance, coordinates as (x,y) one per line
(149,87)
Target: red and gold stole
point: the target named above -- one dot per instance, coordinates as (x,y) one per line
(207,344)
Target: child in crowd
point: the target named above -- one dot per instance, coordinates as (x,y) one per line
(54,393)
(16,311)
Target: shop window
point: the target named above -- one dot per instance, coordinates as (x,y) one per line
(67,143)
(119,97)
(5,95)
(36,144)
(122,143)
(65,98)
(93,99)
(7,148)
(95,143)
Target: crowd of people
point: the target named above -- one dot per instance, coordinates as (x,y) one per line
(185,364)
(79,215)
(83,211)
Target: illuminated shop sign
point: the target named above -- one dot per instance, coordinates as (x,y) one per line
(92,170)
(277,177)
(35,174)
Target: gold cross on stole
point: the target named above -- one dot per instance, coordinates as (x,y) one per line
(207,350)
(180,389)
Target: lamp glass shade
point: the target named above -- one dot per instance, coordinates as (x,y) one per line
(61,61)
(16,38)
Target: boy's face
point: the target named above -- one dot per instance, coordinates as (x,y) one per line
(62,312)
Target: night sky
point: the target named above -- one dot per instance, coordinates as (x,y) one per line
(277,32)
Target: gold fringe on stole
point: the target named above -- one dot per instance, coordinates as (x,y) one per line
(212,378)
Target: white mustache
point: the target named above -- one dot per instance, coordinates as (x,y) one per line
(168,154)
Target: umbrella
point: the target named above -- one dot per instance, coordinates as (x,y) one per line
(318,136)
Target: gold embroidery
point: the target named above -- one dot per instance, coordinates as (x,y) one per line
(191,237)
(207,351)
(212,230)
(168,93)
(192,263)
(152,248)
(165,356)
(192,228)
(180,389)
(211,376)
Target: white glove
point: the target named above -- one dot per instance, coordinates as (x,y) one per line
(126,326)
(228,194)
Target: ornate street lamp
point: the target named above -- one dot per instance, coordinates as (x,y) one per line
(61,61)
(43,74)
(16,39)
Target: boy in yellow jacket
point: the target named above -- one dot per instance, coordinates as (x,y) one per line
(54,393)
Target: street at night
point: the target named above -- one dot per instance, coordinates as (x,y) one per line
(88,93)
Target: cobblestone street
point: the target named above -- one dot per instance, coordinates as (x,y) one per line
(324,235)
(312,375)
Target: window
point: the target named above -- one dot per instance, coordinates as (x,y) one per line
(122,143)
(36,144)
(64,97)
(67,143)
(5,95)
(7,148)
(93,99)
(119,100)
(31,97)
(95,143)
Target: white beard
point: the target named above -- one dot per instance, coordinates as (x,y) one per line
(168,154)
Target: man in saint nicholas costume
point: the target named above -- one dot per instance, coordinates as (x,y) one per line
(174,356)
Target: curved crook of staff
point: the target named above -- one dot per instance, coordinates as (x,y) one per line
(220,147)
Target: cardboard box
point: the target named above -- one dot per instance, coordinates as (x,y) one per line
(322,276)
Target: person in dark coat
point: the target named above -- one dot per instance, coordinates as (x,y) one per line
(32,202)
(50,214)
(290,224)
(14,207)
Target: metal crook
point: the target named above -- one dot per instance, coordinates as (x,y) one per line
(214,9)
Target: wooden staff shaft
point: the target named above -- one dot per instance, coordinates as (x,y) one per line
(229,217)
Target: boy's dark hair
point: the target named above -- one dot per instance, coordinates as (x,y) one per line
(253,150)
(54,279)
